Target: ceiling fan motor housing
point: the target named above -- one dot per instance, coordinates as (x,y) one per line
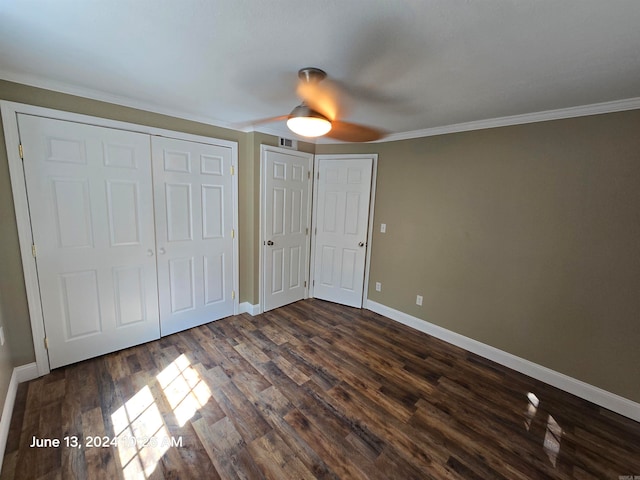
(311,74)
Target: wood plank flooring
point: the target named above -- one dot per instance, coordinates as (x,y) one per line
(311,390)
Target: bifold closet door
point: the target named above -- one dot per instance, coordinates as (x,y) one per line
(193,192)
(91,206)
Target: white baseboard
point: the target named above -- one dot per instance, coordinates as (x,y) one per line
(24,373)
(596,395)
(246,307)
(27,372)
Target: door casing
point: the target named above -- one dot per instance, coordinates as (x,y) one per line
(263,150)
(9,111)
(319,158)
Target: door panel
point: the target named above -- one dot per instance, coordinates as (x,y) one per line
(124,222)
(286,224)
(181,284)
(194,221)
(214,278)
(91,206)
(81,304)
(129,292)
(179,215)
(342,220)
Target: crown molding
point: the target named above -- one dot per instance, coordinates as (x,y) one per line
(544,116)
(277,131)
(62,87)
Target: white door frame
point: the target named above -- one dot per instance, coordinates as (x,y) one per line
(261,282)
(9,120)
(372,203)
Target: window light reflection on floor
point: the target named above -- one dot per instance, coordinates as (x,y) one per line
(141,434)
(553,432)
(532,409)
(134,423)
(184,389)
(552,439)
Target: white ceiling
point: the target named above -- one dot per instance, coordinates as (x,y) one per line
(406,65)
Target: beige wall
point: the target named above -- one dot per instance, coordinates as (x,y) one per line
(250,269)
(13,303)
(526,238)
(13,298)
(262,139)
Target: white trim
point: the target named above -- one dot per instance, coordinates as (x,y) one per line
(545,115)
(372,205)
(15,108)
(9,111)
(593,394)
(236,228)
(246,307)
(26,372)
(261,239)
(372,201)
(7,411)
(61,87)
(558,114)
(16,174)
(20,374)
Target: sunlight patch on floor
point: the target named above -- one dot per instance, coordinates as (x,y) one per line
(184,389)
(137,426)
(553,432)
(552,438)
(532,409)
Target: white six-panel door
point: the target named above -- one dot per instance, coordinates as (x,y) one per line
(91,206)
(285,225)
(343,190)
(194,223)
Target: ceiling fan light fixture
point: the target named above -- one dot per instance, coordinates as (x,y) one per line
(307,122)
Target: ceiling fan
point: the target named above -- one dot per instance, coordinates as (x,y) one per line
(318,114)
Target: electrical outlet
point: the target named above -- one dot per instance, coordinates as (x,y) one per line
(383,228)
(419,300)
(1,335)
(378,287)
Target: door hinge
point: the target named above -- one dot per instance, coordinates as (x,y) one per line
(318,176)
(305,284)
(20,151)
(233,170)
(306,231)
(309,174)
(316,232)
(34,250)
(233,294)
(313,283)
(233,233)
(46,343)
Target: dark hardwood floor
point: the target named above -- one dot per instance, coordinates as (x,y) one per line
(311,390)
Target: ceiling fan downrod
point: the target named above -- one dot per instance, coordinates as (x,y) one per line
(311,74)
